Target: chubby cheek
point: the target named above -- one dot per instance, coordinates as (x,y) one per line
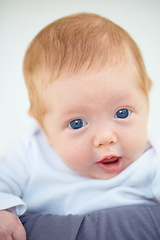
(135,144)
(76,155)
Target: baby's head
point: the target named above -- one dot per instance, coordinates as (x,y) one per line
(77,44)
(88,89)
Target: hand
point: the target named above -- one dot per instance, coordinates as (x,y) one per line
(11,227)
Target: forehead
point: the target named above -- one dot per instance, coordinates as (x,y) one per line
(92,87)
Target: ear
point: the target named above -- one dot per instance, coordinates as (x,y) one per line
(31,114)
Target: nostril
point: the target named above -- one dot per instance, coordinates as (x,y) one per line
(103,143)
(101,139)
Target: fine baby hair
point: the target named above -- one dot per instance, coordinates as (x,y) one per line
(75,44)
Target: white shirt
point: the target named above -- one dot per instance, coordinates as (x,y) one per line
(34,179)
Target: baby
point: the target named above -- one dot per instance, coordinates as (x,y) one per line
(88,90)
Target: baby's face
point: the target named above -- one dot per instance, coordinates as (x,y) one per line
(97,123)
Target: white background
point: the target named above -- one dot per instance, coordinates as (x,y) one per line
(21,20)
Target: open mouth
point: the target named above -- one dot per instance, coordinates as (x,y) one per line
(111,164)
(110,160)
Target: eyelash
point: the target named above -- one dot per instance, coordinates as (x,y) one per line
(74,124)
(79,123)
(124,113)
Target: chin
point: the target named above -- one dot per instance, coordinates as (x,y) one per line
(103,176)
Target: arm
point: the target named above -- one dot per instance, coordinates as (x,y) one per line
(12,182)
(13,178)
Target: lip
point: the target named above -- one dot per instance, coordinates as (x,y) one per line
(111,164)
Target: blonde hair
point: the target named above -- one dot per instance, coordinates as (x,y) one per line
(79,42)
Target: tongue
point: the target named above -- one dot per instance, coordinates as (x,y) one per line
(111,160)
(111,165)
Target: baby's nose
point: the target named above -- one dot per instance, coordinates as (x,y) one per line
(105,137)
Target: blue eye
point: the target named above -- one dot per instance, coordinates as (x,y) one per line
(122,113)
(77,123)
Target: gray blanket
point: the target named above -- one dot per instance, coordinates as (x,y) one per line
(126,223)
